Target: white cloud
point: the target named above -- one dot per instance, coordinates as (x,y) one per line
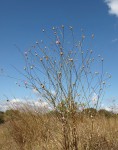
(9,105)
(110,108)
(3,107)
(113,6)
(19,103)
(115,110)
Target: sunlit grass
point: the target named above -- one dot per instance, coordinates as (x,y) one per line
(28,130)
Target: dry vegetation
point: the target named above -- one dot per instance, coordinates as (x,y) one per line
(29,130)
(62,73)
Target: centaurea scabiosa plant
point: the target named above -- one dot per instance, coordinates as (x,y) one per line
(61,68)
(64,71)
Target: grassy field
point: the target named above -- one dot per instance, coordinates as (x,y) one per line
(30,130)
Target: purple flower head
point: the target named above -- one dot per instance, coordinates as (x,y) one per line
(25,82)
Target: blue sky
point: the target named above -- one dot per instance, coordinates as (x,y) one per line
(21,23)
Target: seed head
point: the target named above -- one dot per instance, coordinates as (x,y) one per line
(25,53)
(31,67)
(53,28)
(57,42)
(59,75)
(41,59)
(42,86)
(61,53)
(25,82)
(62,26)
(92,36)
(83,36)
(96,73)
(46,57)
(71,59)
(70,27)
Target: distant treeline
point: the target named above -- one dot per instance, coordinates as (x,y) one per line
(88,112)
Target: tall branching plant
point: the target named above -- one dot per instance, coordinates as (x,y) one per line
(61,70)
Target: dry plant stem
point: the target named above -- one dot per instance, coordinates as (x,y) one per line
(64,77)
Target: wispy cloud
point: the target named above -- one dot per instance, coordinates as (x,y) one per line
(113,6)
(115,40)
